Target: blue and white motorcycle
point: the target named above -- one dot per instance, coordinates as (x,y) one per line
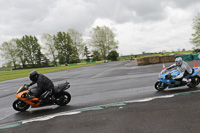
(165,79)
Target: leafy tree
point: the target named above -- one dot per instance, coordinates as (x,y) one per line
(86,53)
(9,51)
(103,39)
(21,54)
(113,55)
(40,58)
(96,56)
(8,64)
(45,61)
(77,41)
(196,51)
(63,44)
(75,56)
(74,59)
(29,50)
(48,40)
(196,26)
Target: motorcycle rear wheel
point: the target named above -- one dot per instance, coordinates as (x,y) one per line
(194,81)
(19,105)
(63,98)
(158,86)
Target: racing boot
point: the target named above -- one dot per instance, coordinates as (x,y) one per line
(189,81)
(186,81)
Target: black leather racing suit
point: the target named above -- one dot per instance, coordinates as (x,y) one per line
(44,87)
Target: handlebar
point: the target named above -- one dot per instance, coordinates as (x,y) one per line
(169,76)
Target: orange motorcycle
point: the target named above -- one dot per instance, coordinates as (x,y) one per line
(59,96)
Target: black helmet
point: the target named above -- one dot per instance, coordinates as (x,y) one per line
(33,76)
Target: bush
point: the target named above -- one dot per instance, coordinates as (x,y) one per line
(113,55)
(197,51)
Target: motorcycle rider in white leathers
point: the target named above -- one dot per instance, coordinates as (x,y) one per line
(184,69)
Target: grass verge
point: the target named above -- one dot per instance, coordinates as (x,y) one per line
(7,75)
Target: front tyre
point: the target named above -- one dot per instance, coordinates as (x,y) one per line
(194,81)
(158,86)
(19,105)
(63,98)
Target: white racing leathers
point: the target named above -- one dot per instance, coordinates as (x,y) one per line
(182,69)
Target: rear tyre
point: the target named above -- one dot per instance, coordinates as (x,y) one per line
(63,98)
(194,81)
(19,105)
(158,86)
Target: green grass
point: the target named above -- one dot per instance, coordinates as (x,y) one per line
(7,75)
(158,54)
(6,69)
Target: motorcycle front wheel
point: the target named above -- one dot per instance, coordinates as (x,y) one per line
(19,105)
(63,98)
(158,86)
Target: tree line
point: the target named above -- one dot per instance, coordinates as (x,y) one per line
(63,47)
(195,40)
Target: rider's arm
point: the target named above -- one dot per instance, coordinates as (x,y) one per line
(170,67)
(182,71)
(179,76)
(32,83)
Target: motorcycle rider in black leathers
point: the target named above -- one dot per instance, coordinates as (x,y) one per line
(44,86)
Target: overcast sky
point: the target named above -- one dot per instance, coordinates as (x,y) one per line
(139,25)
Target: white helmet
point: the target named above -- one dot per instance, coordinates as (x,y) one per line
(179,61)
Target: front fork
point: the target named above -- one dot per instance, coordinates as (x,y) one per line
(162,83)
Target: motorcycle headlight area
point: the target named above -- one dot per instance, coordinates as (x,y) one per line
(24,95)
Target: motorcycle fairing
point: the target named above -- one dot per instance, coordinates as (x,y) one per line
(174,72)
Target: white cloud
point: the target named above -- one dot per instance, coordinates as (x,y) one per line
(171,33)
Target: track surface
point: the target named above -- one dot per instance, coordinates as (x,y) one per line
(91,86)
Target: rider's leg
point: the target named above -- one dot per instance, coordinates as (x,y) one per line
(46,97)
(34,92)
(186,78)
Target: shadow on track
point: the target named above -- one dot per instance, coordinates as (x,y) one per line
(178,90)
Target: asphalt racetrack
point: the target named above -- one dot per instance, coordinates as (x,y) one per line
(101,87)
